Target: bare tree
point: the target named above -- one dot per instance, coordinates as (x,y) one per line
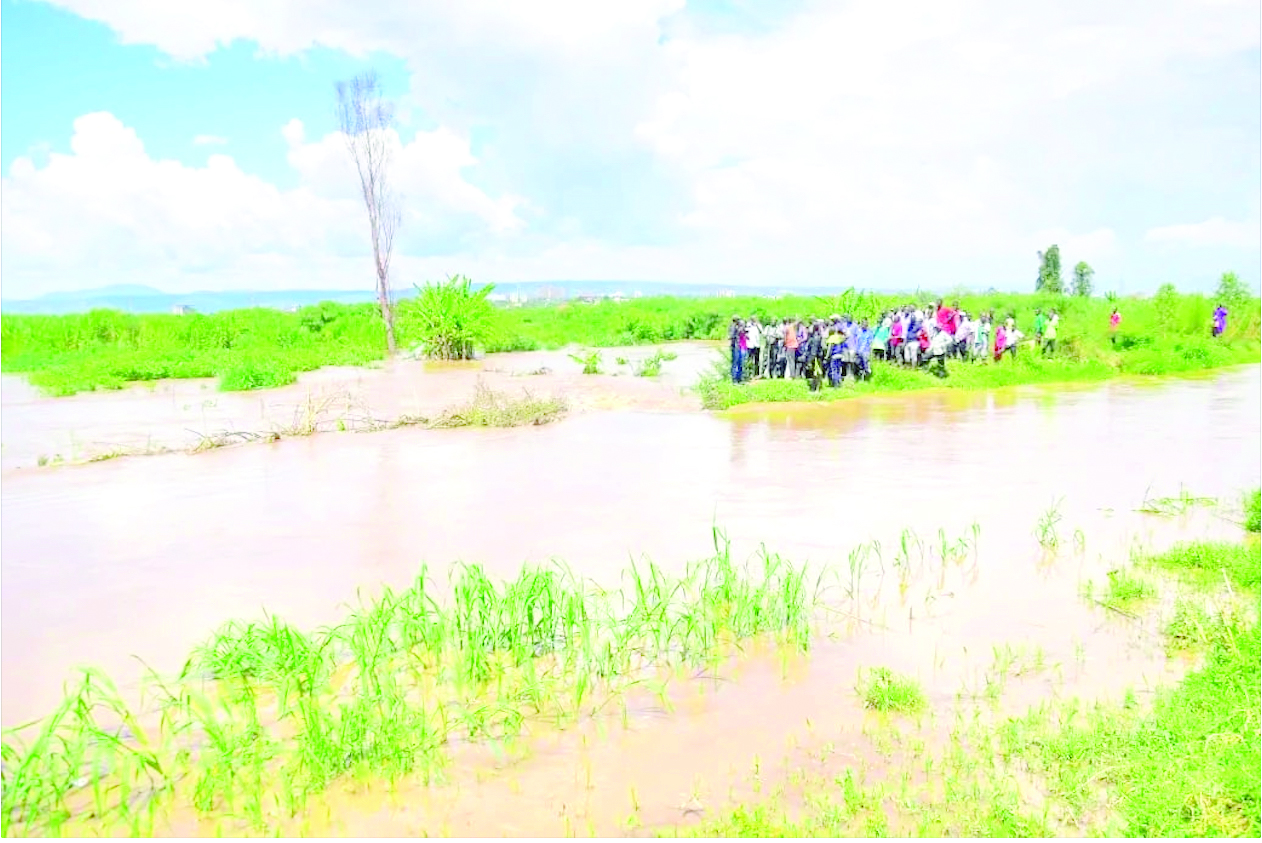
(365,118)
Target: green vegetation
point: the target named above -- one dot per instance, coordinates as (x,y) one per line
(1253,511)
(1210,564)
(451,318)
(264,715)
(1176,505)
(884,690)
(590,361)
(260,348)
(1185,763)
(1127,588)
(651,366)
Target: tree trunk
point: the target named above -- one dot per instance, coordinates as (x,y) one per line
(387,314)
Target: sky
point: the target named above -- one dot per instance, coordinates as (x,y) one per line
(869,143)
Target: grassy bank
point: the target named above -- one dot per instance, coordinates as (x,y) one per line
(1182,355)
(1183,764)
(261,348)
(265,716)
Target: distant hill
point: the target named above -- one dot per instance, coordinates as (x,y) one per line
(136,298)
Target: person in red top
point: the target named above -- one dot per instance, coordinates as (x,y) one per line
(948,317)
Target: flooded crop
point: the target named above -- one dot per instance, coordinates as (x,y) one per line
(283,713)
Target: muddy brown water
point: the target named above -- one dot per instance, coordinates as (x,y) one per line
(145,556)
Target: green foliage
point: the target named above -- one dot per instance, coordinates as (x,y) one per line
(1232,292)
(884,690)
(266,716)
(1050,279)
(1126,589)
(1253,511)
(589,360)
(450,318)
(1212,563)
(1166,305)
(1189,767)
(1083,275)
(651,366)
(107,350)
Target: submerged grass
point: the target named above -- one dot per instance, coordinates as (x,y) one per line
(1184,763)
(487,407)
(264,715)
(884,690)
(1209,564)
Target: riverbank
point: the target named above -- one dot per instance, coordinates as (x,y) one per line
(262,349)
(1028,368)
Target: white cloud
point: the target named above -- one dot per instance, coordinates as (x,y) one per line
(209,140)
(108,209)
(1215,231)
(866,140)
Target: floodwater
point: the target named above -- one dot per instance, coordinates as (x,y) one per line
(145,556)
(179,415)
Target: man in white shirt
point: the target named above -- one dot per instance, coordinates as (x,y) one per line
(753,342)
(939,347)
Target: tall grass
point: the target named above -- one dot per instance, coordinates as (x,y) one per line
(259,348)
(265,715)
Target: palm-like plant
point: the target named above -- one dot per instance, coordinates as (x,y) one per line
(452,317)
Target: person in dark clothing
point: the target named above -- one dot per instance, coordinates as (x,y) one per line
(734,341)
(815,357)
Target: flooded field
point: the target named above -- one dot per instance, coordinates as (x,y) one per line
(180,415)
(144,557)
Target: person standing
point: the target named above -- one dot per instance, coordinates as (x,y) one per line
(1220,320)
(735,333)
(864,353)
(814,357)
(1049,334)
(753,342)
(981,337)
(1040,325)
(881,337)
(791,349)
(1115,319)
(768,333)
(833,344)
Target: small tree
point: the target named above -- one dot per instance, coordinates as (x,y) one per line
(365,119)
(1083,273)
(1231,291)
(1166,305)
(1050,280)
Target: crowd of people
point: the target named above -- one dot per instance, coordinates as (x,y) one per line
(841,347)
